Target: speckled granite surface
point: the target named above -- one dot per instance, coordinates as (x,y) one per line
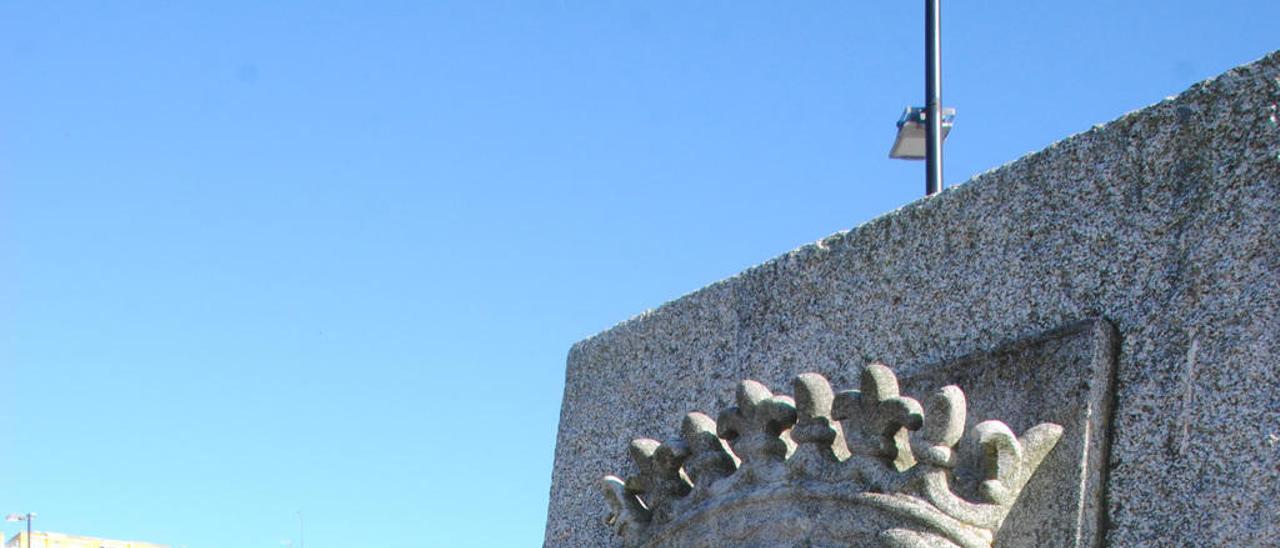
(1166,222)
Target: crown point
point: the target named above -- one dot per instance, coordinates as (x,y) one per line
(751,393)
(813,395)
(945,416)
(1001,459)
(642,450)
(710,458)
(627,514)
(944,421)
(879,381)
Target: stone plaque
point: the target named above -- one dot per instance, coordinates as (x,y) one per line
(1008,449)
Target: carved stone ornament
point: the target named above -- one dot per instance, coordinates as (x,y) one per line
(861,467)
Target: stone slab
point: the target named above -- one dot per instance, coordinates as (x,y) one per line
(1164,222)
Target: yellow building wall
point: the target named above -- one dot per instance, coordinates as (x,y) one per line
(41,539)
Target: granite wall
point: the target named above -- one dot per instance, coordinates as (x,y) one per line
(1164,223)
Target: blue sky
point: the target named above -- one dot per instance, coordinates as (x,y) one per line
(261,258)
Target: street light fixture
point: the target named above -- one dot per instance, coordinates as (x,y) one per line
(912,133)
(21,517)
(922,129)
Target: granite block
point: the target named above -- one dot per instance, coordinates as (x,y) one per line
(1165,222)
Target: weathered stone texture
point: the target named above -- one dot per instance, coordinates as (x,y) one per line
(827,468)
(1166,222)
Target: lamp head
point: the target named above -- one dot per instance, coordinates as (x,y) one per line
(910,142)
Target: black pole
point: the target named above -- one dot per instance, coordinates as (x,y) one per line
(933,96)
(28,529)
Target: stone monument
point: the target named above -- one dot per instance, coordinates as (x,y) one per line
(1079,348)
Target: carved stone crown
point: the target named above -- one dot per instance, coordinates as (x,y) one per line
(859,467)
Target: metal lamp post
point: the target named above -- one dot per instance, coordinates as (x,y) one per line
(922,129)
(933,96)
(27,518)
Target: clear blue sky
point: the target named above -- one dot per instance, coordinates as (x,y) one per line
(263,257)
